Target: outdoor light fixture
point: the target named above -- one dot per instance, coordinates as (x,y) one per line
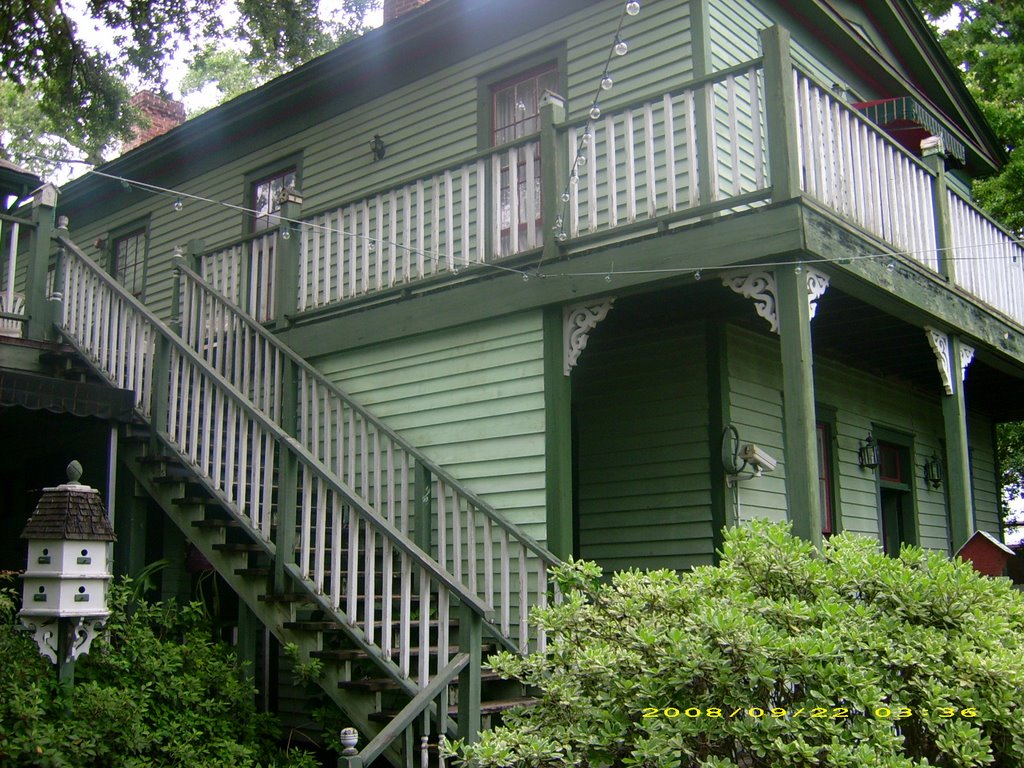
(64,592)
(349,738)
(867,454)
(933,471)
(378,147)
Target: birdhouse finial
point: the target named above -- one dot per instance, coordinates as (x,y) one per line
(74,472)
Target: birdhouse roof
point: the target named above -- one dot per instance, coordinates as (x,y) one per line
(69,512)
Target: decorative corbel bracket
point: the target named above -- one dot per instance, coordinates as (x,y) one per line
(578,320)
(939,342)
(760,286)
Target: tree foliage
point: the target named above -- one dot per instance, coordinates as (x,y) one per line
(781,657)
(154,692)
(986,42)
(77,91)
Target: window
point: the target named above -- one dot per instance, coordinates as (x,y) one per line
(263,198)
(825,496)
(895,495)
(515,114)
(128,260)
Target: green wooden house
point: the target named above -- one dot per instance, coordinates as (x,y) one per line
(501,283)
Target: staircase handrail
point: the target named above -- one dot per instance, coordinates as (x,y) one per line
(532,544)
(396,537)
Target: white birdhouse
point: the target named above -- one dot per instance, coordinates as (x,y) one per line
(67,571)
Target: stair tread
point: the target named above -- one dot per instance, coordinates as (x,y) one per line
(374,684)
(257,571)
(184,501)
(486,708)
(285,597)
(238,546)
(355,654)
(216,523)
(310,625)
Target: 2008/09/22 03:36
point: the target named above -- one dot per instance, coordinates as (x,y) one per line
(837,713)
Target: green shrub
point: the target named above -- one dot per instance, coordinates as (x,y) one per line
(782,656)
(154,691)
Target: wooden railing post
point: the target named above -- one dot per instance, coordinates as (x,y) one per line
(287,478)
(933,156)
(37,315)
(553,163)
(195,250)
(780,114)
(160,385)
(470,640)
(423,508)
(286,268)
(56,297)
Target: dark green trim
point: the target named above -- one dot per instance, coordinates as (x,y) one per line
(780,113)
(700,52)
(827,415)
(798,418)
(38,325)
(470,639)
(958,459)
(716,339)
(557,438)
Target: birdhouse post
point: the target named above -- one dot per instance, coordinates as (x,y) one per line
(64,589)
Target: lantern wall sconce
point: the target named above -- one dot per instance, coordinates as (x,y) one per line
(933,471)
(867,453)
(378,147)
(64,589)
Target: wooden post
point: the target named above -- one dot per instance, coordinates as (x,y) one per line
(552,170)
(558,437)
(288,477)
(422,513)
(932,154)
(958,463)
(799,426)
(195,250)
(780,114)
(470,638)
(286,268)
(37,322)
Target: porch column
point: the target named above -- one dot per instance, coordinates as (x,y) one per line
(798,425)
(37,310)
(958,462)
(932,155)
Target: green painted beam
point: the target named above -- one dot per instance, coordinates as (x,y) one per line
(958,462)
(719,418)
(483,293)
(38,324)
(558,437)
(798,418)
(906,292)
(780,113)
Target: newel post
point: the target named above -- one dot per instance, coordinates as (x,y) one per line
(933,156)
(552,170)
(286,267)
(470,639)
(780,114)
(37,322)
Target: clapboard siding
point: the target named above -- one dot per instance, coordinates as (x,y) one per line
(984,475)
(471,398)
(640,407)
(861,403)
(428,124)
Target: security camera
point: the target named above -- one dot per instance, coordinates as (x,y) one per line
(757,458)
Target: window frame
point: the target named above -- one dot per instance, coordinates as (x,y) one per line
(136,228)
(508,73)
(828,471)
(291,163)
(904,443)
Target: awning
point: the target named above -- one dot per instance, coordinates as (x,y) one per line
(45,393)
(909,121)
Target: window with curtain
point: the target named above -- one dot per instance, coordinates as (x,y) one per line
(263,198)
(515,115)
(129,260)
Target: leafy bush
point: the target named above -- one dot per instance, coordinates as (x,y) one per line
(154,691)
(781,657)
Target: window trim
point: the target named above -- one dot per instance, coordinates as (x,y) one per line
(487,82)
(263,172)
(120,233)
(825,416)
(905,442)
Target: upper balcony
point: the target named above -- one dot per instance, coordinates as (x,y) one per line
(741,138)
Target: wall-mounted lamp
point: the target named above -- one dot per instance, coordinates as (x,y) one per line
(933,471)
(378,147)
(867,454)
(100,244)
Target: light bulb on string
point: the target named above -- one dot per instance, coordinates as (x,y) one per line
(621,49)
(607,82)
(574,178)
(178,205)
(581,159)
(526,278)
(595,111)
(565,196)
(562,237)
(286,233)
(697,275)
(891,266)
(632,8)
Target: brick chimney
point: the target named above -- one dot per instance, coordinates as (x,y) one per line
(162,115)
(395,8)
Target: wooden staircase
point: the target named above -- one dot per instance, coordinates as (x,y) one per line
(339,537)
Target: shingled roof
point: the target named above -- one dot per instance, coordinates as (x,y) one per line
(70,511)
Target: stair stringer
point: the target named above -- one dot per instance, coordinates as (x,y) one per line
(355,705)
